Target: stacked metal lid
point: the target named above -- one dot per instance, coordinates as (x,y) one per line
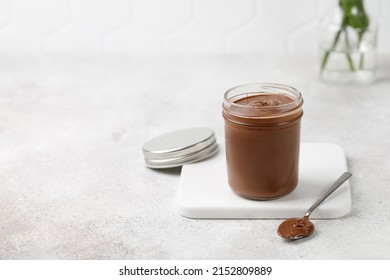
(180,147)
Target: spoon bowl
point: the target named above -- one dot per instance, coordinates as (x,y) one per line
(296,228)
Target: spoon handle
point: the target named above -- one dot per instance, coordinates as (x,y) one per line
(334,187)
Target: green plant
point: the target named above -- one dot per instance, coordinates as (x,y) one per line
(353,17)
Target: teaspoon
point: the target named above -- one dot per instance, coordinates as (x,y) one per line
(297,228)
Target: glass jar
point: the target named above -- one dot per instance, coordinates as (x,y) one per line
(262,138)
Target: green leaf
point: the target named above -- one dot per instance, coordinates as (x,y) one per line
(359,21)
(354,14)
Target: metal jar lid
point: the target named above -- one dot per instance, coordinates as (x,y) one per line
(180,147)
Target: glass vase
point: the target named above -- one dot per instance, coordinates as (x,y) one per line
(347,53)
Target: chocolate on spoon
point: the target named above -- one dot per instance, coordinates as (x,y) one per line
(297,228)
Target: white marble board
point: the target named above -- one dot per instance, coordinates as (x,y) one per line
(204,192)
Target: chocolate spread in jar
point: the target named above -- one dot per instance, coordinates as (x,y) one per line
(264,100)
(262,135)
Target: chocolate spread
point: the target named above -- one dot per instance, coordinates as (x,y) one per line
(296,228)
(264,100)
(262,145)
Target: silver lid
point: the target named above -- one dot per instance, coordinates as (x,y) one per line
(180,147)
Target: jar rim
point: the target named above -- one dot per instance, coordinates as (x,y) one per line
(250,89)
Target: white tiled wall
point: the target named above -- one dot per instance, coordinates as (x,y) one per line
(184,26)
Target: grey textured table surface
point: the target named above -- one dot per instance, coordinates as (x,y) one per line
(72,180)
